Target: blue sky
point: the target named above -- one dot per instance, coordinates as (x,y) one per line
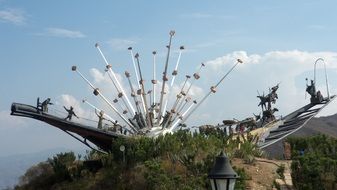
(41,40)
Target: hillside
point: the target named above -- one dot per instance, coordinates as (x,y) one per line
(14,166)
(322,125)
(174,161)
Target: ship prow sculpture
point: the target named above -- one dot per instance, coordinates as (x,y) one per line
(289,124)
(144,112)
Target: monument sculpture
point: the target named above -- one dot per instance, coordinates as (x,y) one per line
(140,110)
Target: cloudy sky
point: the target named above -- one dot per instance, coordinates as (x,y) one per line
(277,41)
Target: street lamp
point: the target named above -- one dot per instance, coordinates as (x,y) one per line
(122,149)
(222,175)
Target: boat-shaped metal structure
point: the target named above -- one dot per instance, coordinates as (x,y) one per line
(143,113)
(102,139)
(285,126)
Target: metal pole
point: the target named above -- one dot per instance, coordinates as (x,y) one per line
(134,65)
(91,105)
(174,73)
(120,95)
(97,92)
(154,81)
(164,78)
(182,116)
(114,76)
(181,109)
(326,81)
(143,95)
(319,59)
(133,93)
(196,76)
(212,90)
(326,76)
(137,76)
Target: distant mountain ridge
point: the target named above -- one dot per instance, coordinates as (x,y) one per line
(322,125)
(14,166)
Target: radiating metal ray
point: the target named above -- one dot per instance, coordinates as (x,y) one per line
(99,110)
(120,96)
(137,76)
(174,74)
(181,118)
(164,78)
(212,90)
(109,67)
(133,93)
(154,80)
(143,95)
(97,92)
(196,76)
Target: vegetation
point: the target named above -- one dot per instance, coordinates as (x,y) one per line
(314,163)
(174,161)
(280,171)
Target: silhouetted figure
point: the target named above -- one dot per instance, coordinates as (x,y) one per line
(165,118)
(311,89)
(269,98)
(44,105)
(316,97)
(100,119)
(38,104)
(268,115)
(319,96)
(70,113)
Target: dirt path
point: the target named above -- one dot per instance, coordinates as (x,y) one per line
(263,174)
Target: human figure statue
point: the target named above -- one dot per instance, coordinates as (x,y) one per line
(319,96)
(268,115)
(139,120)
(269,98)
(70,113)
(100,116)
(311,89)
(44,105)
(166,118)
(316,97)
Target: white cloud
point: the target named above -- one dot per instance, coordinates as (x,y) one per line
(121,44)
(63,33)
(67,101)
(98,76)
(104,83)
(218,63)
(14,16)
(237,94)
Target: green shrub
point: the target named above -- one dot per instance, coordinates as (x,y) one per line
(173,161)
(317,167)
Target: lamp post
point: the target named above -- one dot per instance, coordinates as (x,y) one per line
(222,175)
(122,149)
(326,76)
